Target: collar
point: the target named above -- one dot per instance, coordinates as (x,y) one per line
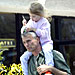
(40,54)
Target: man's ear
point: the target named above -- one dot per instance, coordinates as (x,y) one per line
(38,39)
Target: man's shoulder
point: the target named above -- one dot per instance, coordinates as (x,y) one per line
(58,54)
(60,62)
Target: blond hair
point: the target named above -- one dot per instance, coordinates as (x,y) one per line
(36,8)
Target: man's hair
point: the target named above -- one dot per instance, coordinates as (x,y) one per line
(34,35)
(29,33)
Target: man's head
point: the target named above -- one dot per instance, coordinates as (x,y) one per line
(31,41)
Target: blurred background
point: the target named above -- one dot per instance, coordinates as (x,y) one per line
(61,17)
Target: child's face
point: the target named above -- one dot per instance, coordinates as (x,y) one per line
(35,17)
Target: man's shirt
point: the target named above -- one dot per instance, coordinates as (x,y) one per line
(60,63)
(35,62)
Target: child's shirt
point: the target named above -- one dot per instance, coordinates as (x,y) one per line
(42,29)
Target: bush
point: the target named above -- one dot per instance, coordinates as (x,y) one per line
(14,69)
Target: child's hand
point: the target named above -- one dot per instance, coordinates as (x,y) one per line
(24,21)
(30,29)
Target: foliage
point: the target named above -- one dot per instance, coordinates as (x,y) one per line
(1,52)
(14,69)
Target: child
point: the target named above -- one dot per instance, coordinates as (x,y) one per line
(41,26)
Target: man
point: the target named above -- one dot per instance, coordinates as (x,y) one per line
(36,64)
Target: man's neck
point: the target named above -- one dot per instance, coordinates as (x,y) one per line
(37,51)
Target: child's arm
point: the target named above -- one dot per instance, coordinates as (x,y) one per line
(44,30)
(24,21)
(25,29)
(28,26)
(31,29)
